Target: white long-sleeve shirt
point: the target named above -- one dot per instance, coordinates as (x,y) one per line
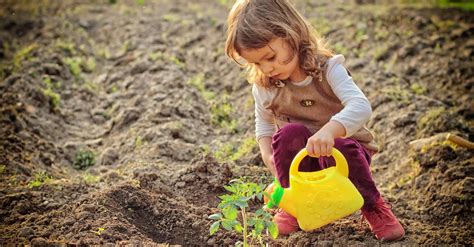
(353,116)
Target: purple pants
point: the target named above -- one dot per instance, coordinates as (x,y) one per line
(289,140)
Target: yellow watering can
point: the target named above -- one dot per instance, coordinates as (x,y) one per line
(317,198)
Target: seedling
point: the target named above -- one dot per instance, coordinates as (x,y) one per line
(84,159)
(99,231)
(40,179)
(250,225)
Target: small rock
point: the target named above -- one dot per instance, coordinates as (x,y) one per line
(109,156)
(26,232)
(39,242)
(140,68)
(211,241)
(180,184)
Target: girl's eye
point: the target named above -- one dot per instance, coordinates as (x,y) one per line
(271,58)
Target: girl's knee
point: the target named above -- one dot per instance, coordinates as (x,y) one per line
(353,151)
(290,138)
(290,131)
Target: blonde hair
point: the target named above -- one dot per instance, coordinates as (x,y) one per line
(252,24)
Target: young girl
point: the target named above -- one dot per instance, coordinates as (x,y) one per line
(305,98)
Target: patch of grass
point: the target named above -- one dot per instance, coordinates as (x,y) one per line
(156,55)
(245,148)
(54,98)
(66,46)
(173,18)
(138,142)
(197,81)
(40,178)
(393,60)
(418,89)
(99,230)
(23,54)
(89,64)
(433,145)
(397,94)
(361,35)
(84,159)
(90,179)
(225,3)
(114,88)
(437,49)
(465,5)
(380,52)
(91,86)
(224,152)
(104,53)
(320,25)
(135,183)
(176,61)
(340,48)
(231,152)
(430,117)
(221,115)
(74,65)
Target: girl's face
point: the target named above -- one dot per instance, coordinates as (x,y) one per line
(272,60)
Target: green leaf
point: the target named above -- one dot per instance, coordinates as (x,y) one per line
(238,227)
(251,222)
(272,229)
(259,212)
(215,217)
(241,203)
(259,226)
(227,224)
(230,213)
(259,196)
(214,227)
(229,188)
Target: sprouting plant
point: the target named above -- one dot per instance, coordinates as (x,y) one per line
(176,61)
(39,179)
(221,112)
(99,230)
(89,64)
(250,225)
(74,65)
(138,142)
(54,97)
(23,54)
(84,159)
(90,179)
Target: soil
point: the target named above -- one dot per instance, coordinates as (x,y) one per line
(147,89)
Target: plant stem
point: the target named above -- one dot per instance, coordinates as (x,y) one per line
(244,220)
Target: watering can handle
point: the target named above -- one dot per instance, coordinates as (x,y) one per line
(341,163)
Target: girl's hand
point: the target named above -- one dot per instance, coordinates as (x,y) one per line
(320,144)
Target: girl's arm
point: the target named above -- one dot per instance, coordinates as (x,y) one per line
(264,127)
(265,144)
(350,119)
